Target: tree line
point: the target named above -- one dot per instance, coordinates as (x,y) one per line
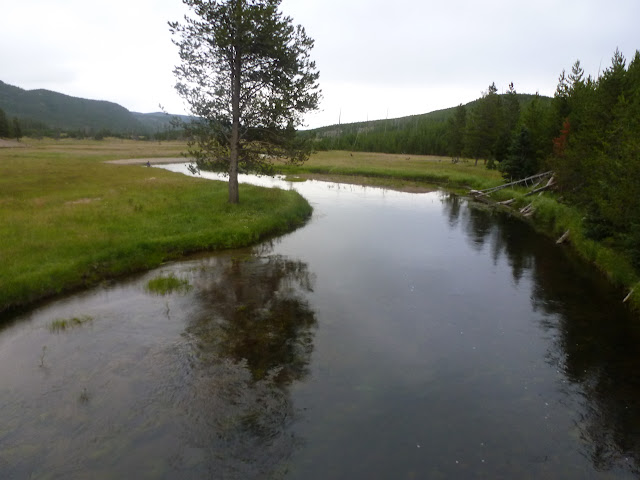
(596,150)
(588,134)
(10,128)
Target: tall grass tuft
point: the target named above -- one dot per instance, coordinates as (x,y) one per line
(164,285)
(62,324)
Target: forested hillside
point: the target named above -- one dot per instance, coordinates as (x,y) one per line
(427,134)
(43,112)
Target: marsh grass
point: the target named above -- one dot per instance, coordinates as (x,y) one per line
(397,171)
(69,220)
(164,285)
(62,324)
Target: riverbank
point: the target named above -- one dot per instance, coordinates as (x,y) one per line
(399,172)
(548,214)
(70,221)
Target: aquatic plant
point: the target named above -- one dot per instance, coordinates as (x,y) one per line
(84,396)
(62,324)
(44,352)
(164,285)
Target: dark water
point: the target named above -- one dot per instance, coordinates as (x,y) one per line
(394,336)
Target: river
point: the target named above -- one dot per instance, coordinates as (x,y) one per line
(396,335)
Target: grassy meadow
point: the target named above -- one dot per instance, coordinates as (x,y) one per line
(396,171)
(68,220)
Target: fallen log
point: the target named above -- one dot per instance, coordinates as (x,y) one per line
(540,189)
(525,210)
(628,297)
(563,238)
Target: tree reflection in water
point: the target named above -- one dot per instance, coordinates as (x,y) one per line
(251,338)
(596,337)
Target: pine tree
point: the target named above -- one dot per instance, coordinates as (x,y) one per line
(247,76)
(521,160)
(484,126)
(4,125)
(456,127)
(16,129)
(511,115)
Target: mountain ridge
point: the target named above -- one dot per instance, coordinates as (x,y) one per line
(62,112)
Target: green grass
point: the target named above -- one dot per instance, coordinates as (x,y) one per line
(62,324)
(164,285)
(396,171)
(68,220)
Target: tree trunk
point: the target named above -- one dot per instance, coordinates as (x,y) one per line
(234,193)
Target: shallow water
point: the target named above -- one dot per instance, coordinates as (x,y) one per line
(394,336)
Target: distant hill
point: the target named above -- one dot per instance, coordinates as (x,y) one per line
(424,134)
(437,116)
(63,112)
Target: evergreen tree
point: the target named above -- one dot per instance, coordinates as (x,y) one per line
(246,74)
(511,116)
(536,118)
(521,161)
(16,130)
(4,125)
(484,126)
(597,154)
(456,127)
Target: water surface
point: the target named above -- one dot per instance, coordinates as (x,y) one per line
(394,336)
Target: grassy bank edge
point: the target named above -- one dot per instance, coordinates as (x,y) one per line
(151,253)
(553,218)
(394,178)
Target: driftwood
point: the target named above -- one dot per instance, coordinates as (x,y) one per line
(628,297)
(541,189)
(532,179)
(527,210)
(549,185)
(563,238)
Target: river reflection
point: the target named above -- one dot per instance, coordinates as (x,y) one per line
(393,336)
(594,339)
(191,385)
(251,332)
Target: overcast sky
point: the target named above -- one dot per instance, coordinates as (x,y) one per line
(377,58)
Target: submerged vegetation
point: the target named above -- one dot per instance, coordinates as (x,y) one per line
(70,221)
(62,324)
(164,285)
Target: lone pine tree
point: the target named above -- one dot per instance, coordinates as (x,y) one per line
(247,76)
